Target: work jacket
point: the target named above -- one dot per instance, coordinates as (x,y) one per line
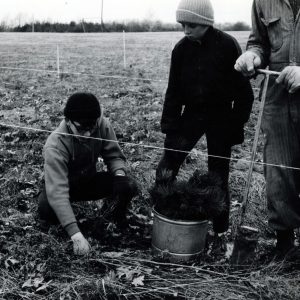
(202,79)
(71,160)
(275,34)
(275,37)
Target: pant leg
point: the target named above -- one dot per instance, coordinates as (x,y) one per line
(44,209)
(281,133)
(99,186)
(219,153)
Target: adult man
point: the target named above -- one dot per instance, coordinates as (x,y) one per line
(205,95)
(274,42)
(71,153)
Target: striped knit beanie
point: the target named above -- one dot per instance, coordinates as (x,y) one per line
(195,11)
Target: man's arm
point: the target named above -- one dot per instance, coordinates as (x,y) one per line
(258,41)
(258,46)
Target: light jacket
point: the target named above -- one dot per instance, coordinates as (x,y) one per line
(71,160)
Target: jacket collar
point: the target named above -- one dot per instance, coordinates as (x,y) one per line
(209,35)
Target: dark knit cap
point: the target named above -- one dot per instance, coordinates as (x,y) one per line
(82,106)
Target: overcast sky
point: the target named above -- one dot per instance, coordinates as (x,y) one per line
(119,10)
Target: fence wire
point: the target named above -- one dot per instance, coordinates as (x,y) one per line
(198,153)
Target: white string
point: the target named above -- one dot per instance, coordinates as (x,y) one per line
(148,146)
(85,74)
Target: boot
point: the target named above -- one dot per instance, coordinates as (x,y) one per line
(221,223)
(285,241)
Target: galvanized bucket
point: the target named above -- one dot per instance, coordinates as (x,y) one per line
(178,240)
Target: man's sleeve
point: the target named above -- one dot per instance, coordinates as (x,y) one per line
(172,105)
(258,41)
(57,188)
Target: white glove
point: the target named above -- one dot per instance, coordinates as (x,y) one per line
(247,63)
(80,245)
(290,78)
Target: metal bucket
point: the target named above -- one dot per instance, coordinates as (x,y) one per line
(178,240)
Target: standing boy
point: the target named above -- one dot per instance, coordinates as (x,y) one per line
(205,95)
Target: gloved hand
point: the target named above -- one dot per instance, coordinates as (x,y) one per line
(247,63)
(290,78)
(124,187)
(80,245)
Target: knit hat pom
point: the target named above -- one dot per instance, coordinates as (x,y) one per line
(82,106)
(195,11)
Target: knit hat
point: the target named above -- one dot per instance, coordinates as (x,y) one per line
(195,11)
(82,106)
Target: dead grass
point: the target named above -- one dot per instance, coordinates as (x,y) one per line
(37,263)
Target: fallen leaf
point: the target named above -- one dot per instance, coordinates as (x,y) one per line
(44,286)
(113,254)
(10,262)
(128,272)
(38,281)
(27,283)
(139,281)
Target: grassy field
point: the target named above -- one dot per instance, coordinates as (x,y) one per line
(38,264)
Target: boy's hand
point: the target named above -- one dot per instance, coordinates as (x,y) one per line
(124,186)
(290,78)
(80,245)
(247,63)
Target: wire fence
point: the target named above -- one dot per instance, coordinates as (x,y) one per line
(58,72)
(198,153)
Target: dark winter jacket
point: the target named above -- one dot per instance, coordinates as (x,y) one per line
(203,81)
(70,161)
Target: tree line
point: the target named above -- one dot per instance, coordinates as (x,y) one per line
(130,26)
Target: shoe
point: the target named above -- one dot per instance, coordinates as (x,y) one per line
(285,243)
(218,247)
(122,224)
(285,240)
(221,223)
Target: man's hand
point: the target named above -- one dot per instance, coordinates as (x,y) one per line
(247,63)
(80,245)
(290,78)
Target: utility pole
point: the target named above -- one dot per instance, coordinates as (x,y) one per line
(102,24)
(83,27)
